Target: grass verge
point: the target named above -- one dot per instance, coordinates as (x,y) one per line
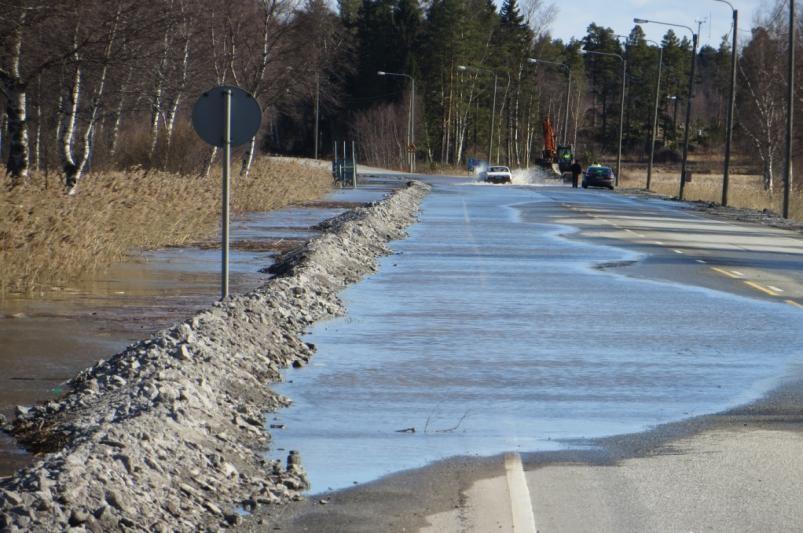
(48,238)
(744,190)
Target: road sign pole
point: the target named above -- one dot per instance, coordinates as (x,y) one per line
(234,123)
(224,289)
(354,165)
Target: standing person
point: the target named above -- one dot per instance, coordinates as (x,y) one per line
(577,169)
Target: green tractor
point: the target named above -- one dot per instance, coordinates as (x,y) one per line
(565,158)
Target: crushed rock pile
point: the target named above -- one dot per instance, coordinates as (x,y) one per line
(170,433)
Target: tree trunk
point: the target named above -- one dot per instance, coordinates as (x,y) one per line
(17,163)
(118,112)
(68,131)
(3,130)
(248,158)
(15,93)
(171,120)
(156,97)
(210,161)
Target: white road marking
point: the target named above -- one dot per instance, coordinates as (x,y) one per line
(700,261)
(737,273)
(726,272)
(776,289)
(659,243)
(678,251)
(520,502)
(760,288)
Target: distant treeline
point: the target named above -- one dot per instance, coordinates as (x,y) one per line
(110,83)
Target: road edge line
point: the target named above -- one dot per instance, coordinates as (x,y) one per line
(521,506)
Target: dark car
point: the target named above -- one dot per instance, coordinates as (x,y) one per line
(598,176)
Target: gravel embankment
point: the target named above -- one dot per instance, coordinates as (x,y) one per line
(170,433)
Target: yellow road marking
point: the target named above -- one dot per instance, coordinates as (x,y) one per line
(725,272)
(761,288)
(794,304)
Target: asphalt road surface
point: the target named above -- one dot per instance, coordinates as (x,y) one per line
(554,359)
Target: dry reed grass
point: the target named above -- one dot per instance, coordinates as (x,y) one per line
(744,191)
(49,238)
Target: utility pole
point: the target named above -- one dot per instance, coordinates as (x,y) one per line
(567,68)
(690,97)
(731,104)
(410,117)
(684,165)
(621,107)
(790,108)
(493,105)
(655,114)
(317,109)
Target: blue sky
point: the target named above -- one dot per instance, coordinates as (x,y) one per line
(574,16)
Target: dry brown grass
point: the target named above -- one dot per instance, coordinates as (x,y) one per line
(745,190)
(47,237)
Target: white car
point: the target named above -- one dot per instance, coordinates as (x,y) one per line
(497,175)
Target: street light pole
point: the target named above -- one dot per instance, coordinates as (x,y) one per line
(790,108)
(536,61)
(410,117)
(688,103)
(493,121)
(621,107)
(688,118)
(731,104)
(412,126)
(317,109)
(493,105)
(655,113)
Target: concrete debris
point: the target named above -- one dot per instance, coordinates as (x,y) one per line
(169,434)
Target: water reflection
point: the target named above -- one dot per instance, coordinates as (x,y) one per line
(489,332)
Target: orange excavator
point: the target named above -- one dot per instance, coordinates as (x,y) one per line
(562,155)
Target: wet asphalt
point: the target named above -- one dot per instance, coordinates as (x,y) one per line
(543,320)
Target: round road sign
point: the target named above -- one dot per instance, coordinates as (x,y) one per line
(209,116)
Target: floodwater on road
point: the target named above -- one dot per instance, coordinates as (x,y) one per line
(488,331)
(46,338)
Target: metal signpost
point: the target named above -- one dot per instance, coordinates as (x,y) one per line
(226,116)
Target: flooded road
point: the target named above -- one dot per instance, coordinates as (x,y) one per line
(48,337)
(491,330)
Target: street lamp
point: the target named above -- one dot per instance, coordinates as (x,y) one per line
(790,108)
(493,105)
(691,94)
(410,118)
(317,109)
(621,107)
(535,61)
(655,113)
(731,104)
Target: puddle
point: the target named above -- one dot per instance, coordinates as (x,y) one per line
(48,337)
(488,332)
